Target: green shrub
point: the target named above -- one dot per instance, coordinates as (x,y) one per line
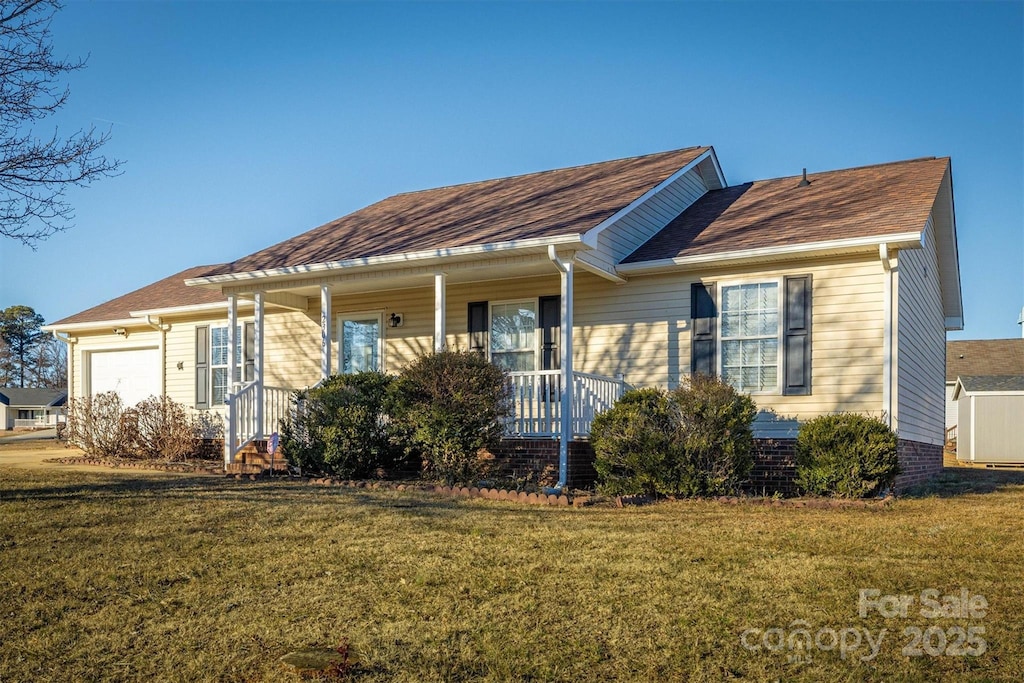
(341,427)
(447,406)
(693,441)
(846,456)
(715,437)
(634,443)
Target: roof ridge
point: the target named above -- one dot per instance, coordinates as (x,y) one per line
(540,173)
(840,170)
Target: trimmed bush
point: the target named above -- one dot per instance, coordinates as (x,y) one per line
(694,441)
(846,456)
(715,435)
(634,444)
(446,407)
(341,427)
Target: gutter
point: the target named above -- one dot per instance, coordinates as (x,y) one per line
(414,257)
(905,240)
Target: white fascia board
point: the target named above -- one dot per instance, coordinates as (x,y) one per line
(905,240)
(186,310)
(590,236)
(957,388)
(93,325)
(441,255)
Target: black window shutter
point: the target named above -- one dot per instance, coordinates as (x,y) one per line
(551,329)
(797,337)
(202,367)
(478,326)
(704,329)
(249,352)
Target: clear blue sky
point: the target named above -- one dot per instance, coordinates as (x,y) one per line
(244,124)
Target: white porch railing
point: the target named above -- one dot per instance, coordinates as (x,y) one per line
(591,396)
(243,417)
(38,422)
(537,401)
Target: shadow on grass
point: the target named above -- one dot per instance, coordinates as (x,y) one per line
(274,493)
(958,481)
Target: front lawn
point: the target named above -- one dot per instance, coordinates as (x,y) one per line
(128,576)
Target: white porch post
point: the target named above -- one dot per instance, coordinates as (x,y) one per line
(257,364)
(325,331)
(567,374)
(440,287)
(232,416)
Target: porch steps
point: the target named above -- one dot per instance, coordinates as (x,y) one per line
(254,459)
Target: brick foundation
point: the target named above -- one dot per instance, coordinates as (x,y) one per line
(774,468)
(520,458)
(919,463)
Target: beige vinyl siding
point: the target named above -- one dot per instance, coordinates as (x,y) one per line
(642,330)
(921,345)
(622,238)
(964,440)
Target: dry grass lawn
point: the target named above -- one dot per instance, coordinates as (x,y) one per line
(125,576)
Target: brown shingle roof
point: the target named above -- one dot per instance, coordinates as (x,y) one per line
(984,357)
(857,202)
(559,202)
(166,293)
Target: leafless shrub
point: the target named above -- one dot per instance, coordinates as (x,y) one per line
(100,425)
(166,430)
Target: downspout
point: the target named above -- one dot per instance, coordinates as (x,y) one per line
(162,329)
(565,269)
(887,333)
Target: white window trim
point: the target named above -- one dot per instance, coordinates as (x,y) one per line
(339,328)
(536,328)
(721,285)
(240,333)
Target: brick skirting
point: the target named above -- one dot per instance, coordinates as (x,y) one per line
(774,468)
(538,459)
(919,463)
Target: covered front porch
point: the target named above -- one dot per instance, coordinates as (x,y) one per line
(519,312)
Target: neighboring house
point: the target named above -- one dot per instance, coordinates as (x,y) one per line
(830,293)
(30,408)
(985,399)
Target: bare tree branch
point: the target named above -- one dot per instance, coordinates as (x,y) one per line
(36,171)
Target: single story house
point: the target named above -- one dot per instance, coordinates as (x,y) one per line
(31,408)
(815,294)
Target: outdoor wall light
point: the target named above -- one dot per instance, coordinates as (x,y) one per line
(395,320)
(120,332)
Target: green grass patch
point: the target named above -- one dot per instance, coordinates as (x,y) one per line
(109,575)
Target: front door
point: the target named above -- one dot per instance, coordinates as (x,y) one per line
(360,342)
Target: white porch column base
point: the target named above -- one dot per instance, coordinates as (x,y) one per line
(325,331)
(440,302)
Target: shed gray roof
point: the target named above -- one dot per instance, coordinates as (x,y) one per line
(982,383)
(15,396)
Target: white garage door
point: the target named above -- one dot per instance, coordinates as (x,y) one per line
(135,375)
